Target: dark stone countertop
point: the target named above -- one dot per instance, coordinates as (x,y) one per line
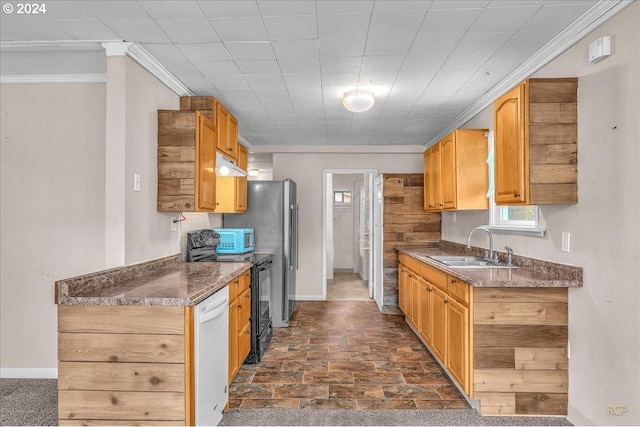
(165,281)
(531,273)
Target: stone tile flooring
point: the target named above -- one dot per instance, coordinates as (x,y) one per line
(347,287)
(344,355)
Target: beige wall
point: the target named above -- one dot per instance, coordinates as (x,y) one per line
(66,190)
(52,209)
(604,225)
(306,170)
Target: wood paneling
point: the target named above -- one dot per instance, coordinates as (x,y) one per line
(120,348)
(121,376)
(538,381)
(541,403)
(497,403)
(405,223)
(511,295)
(521,313)
(494,358)
(122,405)
(540,358)
(120,423)
(521,335)
(120,319)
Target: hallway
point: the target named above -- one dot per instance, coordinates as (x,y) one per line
(347,287)
(344,355)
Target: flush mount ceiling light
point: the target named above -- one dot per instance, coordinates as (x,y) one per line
(358,101)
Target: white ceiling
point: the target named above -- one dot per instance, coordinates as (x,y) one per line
(282,67)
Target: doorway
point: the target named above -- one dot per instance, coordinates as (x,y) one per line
(347,255)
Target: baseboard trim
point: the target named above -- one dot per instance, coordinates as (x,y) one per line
(309,298)
(28,372)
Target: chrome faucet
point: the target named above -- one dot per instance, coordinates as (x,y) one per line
(483,228)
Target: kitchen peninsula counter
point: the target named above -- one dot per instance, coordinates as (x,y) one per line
(531,273)
(166,282)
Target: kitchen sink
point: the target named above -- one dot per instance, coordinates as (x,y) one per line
(462,261)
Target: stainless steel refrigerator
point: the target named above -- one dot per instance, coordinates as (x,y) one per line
(273,214)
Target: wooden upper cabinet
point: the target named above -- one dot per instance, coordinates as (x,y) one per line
(243,157)
(535,143)
(186,161)
(227,124)
(456,173)
(448,171)
(432,187)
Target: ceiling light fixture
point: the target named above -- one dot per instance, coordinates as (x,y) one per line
(357,101)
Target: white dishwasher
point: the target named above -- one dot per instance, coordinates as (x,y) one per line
(211,336)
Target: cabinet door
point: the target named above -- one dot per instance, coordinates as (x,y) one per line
(232,139)
(205,163)
(448,171)
(457,353)
(241,193)
(244,326)
(243,157)
(511,147)
(424,323)
(432,179)
(402,288)
(415,299)
(234,366)
(438,322)
(223,118)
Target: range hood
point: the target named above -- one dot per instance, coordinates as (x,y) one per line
(227,167)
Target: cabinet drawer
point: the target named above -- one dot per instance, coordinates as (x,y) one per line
(234,289)
(434,276)
(410,262)
(459,290)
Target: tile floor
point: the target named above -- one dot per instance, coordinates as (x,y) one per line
(344,355)
(347,287)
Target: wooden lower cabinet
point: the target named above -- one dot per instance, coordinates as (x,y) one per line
(439,316)
(505,347)
(125,365)
(239,322)
(134,365)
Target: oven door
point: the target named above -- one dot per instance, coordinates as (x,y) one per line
(264,298)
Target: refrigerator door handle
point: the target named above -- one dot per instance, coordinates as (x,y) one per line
(293,233)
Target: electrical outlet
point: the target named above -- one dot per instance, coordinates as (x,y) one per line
(566,241)
(136,182)
(174,223)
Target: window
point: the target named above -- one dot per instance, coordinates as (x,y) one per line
(511,219)
(342,197)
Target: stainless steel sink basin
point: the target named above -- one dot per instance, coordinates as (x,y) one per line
(461,261)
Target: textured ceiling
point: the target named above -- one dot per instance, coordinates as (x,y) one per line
(282,67)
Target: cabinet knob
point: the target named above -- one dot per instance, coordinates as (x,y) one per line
(454,281)
(446,301)
(516,194)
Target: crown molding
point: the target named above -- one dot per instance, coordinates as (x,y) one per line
(55,78)
(140,55)
(589,21)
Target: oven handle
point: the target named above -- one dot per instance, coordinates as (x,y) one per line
(265,265)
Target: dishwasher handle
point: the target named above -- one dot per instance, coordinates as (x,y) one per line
(208,315)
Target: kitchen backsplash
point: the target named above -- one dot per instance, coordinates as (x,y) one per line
(196,221)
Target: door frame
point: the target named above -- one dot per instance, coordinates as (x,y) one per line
(325,214)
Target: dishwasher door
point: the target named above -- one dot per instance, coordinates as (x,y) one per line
(211,336)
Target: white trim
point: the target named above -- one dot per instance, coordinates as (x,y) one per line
(527,231)
(309,298)
(116,48)
(28,372)
(590,20)
(151,64)
(55,78)
(244,141)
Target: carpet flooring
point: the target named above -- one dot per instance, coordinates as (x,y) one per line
(28,402)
